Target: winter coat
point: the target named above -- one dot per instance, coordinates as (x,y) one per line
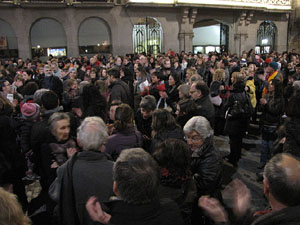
(207,166)
(292,130)
(251,91)
(120,91)
(273,110)
(206,109)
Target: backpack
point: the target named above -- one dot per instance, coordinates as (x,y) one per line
(239,110)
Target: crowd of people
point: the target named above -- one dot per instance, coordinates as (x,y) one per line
(137,134)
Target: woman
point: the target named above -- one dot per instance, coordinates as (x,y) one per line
(238,110)
(183,91)
(206,161)
(272,107)
(126,136)
(164,126)
(172,92)
(59,147)
(176,181)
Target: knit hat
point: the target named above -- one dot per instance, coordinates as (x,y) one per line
(30,111)
(274,65)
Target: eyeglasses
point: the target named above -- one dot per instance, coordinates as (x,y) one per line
(193,138)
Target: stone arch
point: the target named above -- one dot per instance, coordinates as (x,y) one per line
(92,40)
(8,40)
(47,36)
(210,35)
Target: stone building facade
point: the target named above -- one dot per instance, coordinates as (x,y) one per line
(177,20)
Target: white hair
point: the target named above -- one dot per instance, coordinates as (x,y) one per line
(199,124)
(92,133)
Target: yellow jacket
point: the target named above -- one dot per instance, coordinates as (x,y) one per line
(251,92)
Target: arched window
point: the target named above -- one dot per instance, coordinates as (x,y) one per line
(94,36)
(48,37)
(8,41)
(266,34)
(147,36)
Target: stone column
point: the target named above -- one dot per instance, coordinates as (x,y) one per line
(71,27)
(186,33)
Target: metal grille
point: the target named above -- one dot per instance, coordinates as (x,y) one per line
(266,36)
(224,34)
(147,36)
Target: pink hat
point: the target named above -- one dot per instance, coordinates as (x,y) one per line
(30,111)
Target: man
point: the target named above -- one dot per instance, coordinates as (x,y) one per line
(119,89)
(91,174)
(199,92)
(51,82)
(296,75)
(281,188)
(233,67)
(55,69)
(271,73)
(136,187)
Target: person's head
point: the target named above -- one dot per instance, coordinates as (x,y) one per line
(27,74)
(112,110)
(118,61)
(30,88)
(252,68)
(199,90)
(162,119)
(298,69)
(30,111)
(275,86)
(173,155)
(59,125)
(174,79)
(186,107)
(47,70)
(70,84)
(49,100)
(219,75)
(136,177)
(123,117)
(190,72)
(103,73)
(114,74)
(282,180)
(195,78)
(6,107)
(293,107)
(237,76)
(167,63)
(11,211)
(183,91)
(6,87)
(92,134)
(196,131)
(271,67)
(147,105)
(156,77)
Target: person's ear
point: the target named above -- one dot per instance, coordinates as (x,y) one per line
(266,188)
(115,188)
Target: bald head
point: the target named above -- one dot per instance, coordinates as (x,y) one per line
(282,173)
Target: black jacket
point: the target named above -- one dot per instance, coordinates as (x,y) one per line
(206,166)
(292,130)
(206,109)
(273,110)
(120,91)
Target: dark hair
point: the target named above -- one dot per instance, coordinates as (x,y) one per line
(162,119)
(284,187)
(114,73)
(93,103)
(293,106)
(29,72)
(136,175)
(187,106)
(49,100)
(148,103)
(123,117)
(239,86)
(278,91)
(202,86)
(176,78)
(157,74)
(115,102)
(173,154)
(30,88)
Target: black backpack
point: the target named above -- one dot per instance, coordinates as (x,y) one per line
(239,110)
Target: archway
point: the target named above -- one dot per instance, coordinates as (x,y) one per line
(48,38)
(147,36)
(209,36)
(8,41)
(94,36)
(266,34)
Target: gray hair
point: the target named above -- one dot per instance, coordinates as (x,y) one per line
(92,133)
(199,124)
(37,97)
(282,175)
(148,103)
(184,89)
(57,117)
(82,85)
(137,176)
